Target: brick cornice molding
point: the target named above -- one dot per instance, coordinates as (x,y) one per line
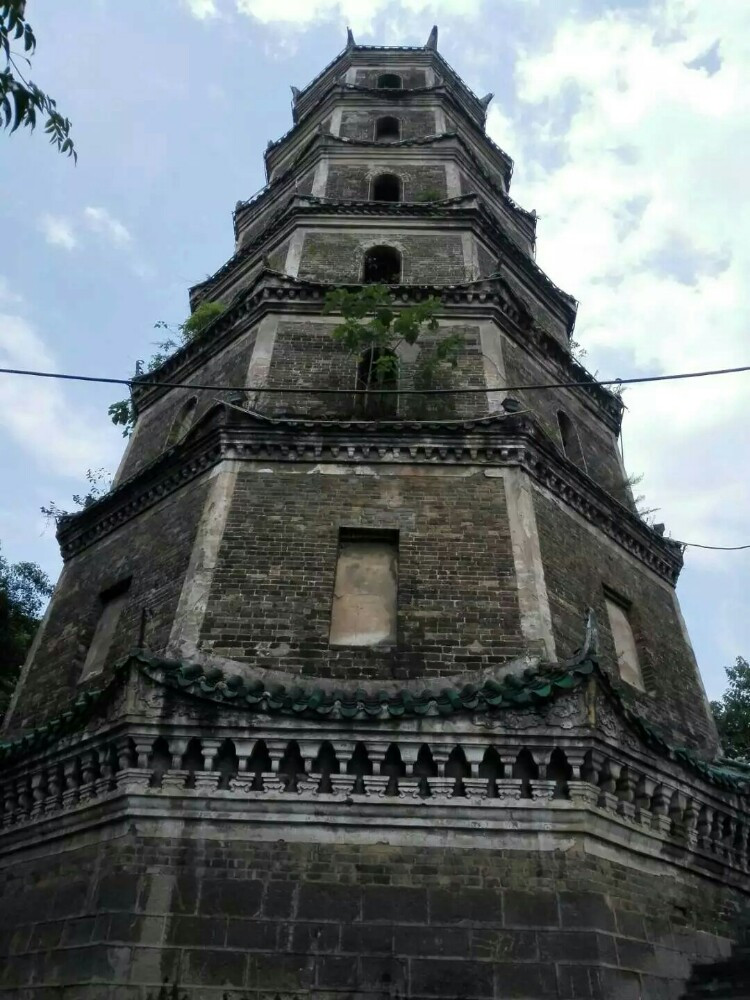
(366,96)
(504,440)
(487,298)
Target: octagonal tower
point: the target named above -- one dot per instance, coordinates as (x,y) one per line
(344,692)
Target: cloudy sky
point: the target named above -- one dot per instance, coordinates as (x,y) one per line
(629,124)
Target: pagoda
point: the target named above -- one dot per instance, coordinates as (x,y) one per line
(360,688)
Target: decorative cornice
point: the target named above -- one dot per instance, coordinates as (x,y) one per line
(273,290)
(491,697)
(471,206)
(326,138)
(501,440)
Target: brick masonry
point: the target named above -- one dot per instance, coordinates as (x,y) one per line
(114,914)
(270,600)
(427,259)
(306,356)
(229,367)
(577,567)
(418,180)
(410,76)
(598,443)
(415,124)
(241,920)
(154,550)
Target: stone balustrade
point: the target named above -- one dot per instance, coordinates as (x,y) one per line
(371,769)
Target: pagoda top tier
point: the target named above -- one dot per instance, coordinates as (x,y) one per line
(343,69)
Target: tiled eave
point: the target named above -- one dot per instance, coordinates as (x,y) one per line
(310,95)
(312,150)
(274,152)
(490,696)
(497,441)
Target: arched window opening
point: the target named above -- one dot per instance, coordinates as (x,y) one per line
(570,440)
(377,371)
(382,266)
(182,422)
(389,81)
(386,187)
(388,128)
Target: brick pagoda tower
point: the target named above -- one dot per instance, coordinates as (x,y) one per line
(361,695)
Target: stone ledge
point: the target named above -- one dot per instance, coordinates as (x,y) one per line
(524,825)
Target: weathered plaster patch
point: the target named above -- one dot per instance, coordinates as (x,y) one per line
(536,618)
(183,639)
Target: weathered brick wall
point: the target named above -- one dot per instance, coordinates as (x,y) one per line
(235,919)
(155,549)
(229,367)
(337,256)
(415,123)
(410,77)
(536,306)
(305,184)
(487,261)
(597,441)
(306,356)
(468,373)
(577,565)
(352,181)
(270,600)
(277,258)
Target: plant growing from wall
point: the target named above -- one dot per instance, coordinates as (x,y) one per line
(122,412)
(374,328)
(99,484)
(429,194)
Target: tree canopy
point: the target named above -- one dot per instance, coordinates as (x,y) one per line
(21,100)
(24,588)
(732,713)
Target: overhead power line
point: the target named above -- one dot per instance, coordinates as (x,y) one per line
(289,389)
(716,548)
(141,382)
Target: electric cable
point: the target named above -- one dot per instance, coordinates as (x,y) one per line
(511,388)
(141,382)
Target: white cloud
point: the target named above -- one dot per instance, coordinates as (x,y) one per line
(359,14)
(58,232)
(634,162)
(35,412)
(102,222)
(7,294)
(201,9)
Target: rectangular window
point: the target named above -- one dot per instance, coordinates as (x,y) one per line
(365,589)
(624,642)
(112,602)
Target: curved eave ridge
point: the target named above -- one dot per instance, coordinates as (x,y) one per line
(532,690)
